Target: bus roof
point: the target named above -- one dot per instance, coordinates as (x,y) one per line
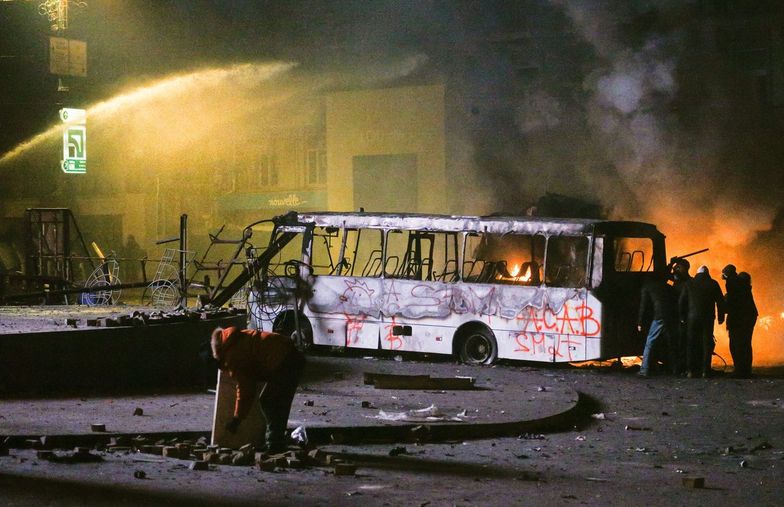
(456,223)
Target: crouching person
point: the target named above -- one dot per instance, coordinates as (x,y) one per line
(249,357)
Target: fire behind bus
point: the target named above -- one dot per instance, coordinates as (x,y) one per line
(477,288)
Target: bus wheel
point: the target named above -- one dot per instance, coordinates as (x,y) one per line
(478,347)
(285,325)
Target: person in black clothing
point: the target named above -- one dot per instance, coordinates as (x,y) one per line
(658,309)
(730,276)
(700,303)
(741,318)
(680,278)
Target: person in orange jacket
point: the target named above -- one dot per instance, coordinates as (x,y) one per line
(250,357)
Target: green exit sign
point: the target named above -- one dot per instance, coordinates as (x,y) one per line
(74,141)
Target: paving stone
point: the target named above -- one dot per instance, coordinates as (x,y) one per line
(345,469)
(199,465)
(694,482)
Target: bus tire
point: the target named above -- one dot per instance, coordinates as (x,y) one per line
(285,325)
(477,346)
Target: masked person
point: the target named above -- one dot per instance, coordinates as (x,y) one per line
(680,277)
(250,357)
(730,276)
(658,308)
(699,304)
(741,318)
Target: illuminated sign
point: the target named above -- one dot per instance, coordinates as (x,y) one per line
(74,141)
(274,201)
(67,57)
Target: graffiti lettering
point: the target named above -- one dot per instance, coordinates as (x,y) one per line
(430,296)
(395,342)
(533,344)
(354,325)
(574,320)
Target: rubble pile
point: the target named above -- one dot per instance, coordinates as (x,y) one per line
(201,454)
(143,318)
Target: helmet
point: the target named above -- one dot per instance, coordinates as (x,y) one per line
(728,271)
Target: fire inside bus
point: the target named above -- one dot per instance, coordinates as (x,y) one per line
(478,288)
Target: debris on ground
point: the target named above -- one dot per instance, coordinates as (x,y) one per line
(300,436)
(391,381)
(397,451)
(78,455)
(694,482)
(427,414)
(764,445)
(531,436)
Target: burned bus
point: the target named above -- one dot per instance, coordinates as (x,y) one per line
(478,288)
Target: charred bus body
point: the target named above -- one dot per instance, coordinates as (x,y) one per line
(480,288)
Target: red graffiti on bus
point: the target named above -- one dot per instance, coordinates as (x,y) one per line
(571,319)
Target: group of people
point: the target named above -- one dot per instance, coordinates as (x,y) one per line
(679,312)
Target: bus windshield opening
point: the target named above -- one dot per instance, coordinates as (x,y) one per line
(633,255)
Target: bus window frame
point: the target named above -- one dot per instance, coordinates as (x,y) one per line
(586,281)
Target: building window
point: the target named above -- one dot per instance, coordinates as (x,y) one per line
(316,167)
(266,170)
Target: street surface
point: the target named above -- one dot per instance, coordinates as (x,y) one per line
(636,443)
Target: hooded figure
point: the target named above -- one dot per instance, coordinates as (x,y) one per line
(741,318)
(700,302)
(680,277)
(730,276)
(250,357)
(658,312)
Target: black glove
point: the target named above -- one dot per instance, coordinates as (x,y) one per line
(232,425)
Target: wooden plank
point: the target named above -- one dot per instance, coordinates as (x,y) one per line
(370,378)
(417,382)
(250,431)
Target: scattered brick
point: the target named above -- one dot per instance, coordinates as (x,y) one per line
(318,456)
(152,449)
(295,463)
(240,459)
(694,482)
(199,465)
(171,452)
(345,469)
(267,466)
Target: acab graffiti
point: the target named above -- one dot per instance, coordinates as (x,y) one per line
(566,329)
(575,318)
